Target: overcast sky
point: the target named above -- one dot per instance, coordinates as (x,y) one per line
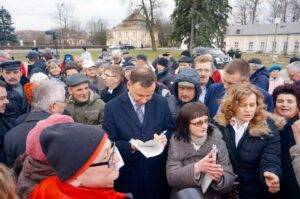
(36,14)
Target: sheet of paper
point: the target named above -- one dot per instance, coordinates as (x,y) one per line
(150,148)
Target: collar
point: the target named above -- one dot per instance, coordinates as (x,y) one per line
(134,104)
(233,123)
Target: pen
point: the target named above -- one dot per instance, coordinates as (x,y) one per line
(163,132)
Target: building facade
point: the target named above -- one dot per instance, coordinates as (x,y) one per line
(132,31)
(280,38)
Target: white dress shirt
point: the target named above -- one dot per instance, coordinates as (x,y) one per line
(239,130)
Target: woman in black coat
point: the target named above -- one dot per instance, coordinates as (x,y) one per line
(287,105)
(252,140)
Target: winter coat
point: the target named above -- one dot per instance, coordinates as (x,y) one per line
(189,75)
(166,78)
(38,66)
(172,65)
(260,78)
(100,83)
(288,187)
(5,126)
(33,172)
(54,188)
(181,160)
(17,104)
(295,155)
(89,112)
(15,139)
(249,162)
(273,83)
(216,92)
(106,96)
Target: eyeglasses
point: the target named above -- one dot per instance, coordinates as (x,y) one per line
(110,159)
(203,70)
(200,122)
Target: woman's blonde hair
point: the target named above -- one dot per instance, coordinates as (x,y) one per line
(236,95)
(7,184)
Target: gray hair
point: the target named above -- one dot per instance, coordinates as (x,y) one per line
(47,93)
(295,65)
(37,77)
(116,53)
(4,55)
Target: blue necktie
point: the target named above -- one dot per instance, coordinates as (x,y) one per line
(140,113)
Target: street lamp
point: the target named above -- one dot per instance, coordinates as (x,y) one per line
(61,25)
(277,21)
(53,34)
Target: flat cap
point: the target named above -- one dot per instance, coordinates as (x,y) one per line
(76,79)
(10,65)
(142,56)
(32,55)
(185,60)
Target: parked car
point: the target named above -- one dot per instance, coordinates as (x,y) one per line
(127,46)
(220,59)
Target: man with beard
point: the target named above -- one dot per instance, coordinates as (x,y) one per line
(186,89)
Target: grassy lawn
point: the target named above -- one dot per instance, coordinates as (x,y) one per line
(266,59)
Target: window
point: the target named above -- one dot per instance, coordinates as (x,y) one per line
(238,31)
(133,34)
(296,47)
(126,34)
(274,46)
(285,46)
(120,34)
(250,47)
(262,46)
(236,44)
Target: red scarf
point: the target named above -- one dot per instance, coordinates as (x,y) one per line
(52,187)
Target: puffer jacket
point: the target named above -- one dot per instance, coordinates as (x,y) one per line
(90,112)
(261,78)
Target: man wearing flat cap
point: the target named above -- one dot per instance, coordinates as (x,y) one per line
(186,89)
(84,105)
(11,74)
(34,64)
(259,74)
(184,62)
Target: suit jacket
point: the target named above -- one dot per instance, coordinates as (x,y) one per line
(144,178)
(216,92)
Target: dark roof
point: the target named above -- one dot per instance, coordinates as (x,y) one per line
(264,29)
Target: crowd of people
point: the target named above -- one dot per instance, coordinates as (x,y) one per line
(68,127)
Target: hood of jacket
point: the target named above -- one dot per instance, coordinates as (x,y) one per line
(189,75)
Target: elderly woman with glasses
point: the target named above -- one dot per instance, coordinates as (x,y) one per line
(252,140)
(287,104)
(191,157)
(85,162)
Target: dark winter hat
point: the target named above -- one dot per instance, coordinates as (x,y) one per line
(255,61)
(142,56)
(10,65)
(128,65)
(293,59)
(104,49)
(185,60)
(163,62)
(32,55)
(71,148)
(186,53)
(274,67)
(76,79)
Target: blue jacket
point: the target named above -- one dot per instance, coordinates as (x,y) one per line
(261,78)
(144,177)
(216,92)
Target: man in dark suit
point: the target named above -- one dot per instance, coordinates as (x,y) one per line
(141,115)
(235,72)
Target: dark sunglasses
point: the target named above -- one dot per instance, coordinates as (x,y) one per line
(200,123)
(110,159)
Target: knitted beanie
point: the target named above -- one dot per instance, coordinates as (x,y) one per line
(33,145)
(71,148)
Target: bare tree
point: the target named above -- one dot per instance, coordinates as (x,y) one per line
(278,8)
(241,11)
(253,6)
(294,10)
(97,31)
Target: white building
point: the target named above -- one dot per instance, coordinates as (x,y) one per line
(280,38)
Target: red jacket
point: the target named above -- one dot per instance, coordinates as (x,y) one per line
(52,187)
(216,76)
